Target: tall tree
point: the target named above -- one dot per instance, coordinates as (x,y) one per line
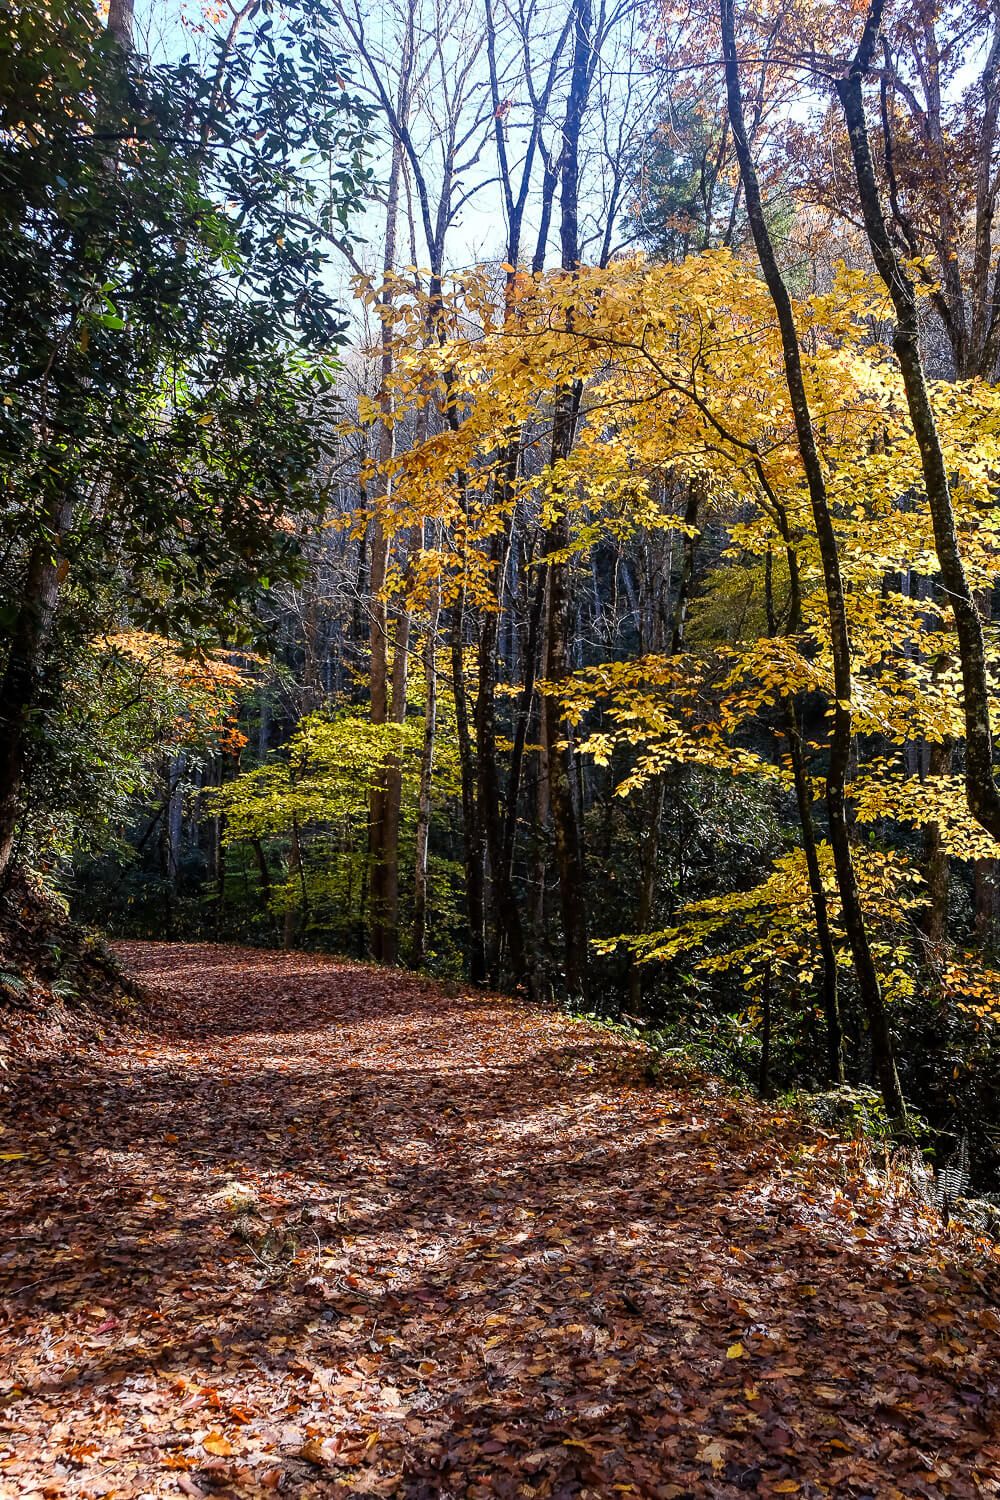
(981,787)
(159,307)
(840,745)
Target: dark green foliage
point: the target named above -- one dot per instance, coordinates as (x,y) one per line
(681,203)
(161,292)
(166,336)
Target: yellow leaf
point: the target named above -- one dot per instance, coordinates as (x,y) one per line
(217,1444)
(12,1155)
(735,1351)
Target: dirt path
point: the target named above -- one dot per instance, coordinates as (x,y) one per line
(323,1231)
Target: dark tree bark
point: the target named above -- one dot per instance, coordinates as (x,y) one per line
(296,918)
(650,847)
(558,616)
(829,980)
(421,861)
(508,916)
(262,870)
(473,840)
(387,800)
(986,883)
(936,861)
(764,1073)
(23,671)
(384,811)
(829,995)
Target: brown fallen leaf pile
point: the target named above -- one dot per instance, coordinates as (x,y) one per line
(321,1230)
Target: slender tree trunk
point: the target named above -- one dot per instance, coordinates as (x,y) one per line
(217,848)
(385,870)
(421,863)
(559,763)
(543,817)
(686,581)
(658,791)
(829,988)
(558,619)
(840,742)
(937,870)
(525,707)
(936,861)
(829,977)
(508,917)
(220,880)
(262,870)
(175,821)
(648,858)
(381,815)
(296,916)
(764,1075)
(471,825)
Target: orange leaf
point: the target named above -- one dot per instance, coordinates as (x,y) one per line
(217,1444)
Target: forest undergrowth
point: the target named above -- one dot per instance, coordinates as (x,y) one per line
(310,1227)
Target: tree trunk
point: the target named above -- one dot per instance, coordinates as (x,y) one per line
(262,870)
(829,988)
(651,841)
(295,917)
(647,880)
(471,825)
(175,822)
(558,753)
(421,859)
(387,802)
(382,821)
(986,875)
(934,920)
(764,1074)
(508,917)
(524,715)
(23,671)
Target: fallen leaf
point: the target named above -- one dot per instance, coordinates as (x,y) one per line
(217,1444)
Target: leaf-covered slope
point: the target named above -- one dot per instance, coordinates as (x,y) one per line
(59,985)
(329,1231)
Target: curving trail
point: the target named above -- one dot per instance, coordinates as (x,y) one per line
(319,1229)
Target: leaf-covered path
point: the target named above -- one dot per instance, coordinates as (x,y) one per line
(323,1230)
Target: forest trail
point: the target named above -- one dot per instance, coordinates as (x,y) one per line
(324,1230)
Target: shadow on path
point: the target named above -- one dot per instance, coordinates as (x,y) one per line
(323,1230)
